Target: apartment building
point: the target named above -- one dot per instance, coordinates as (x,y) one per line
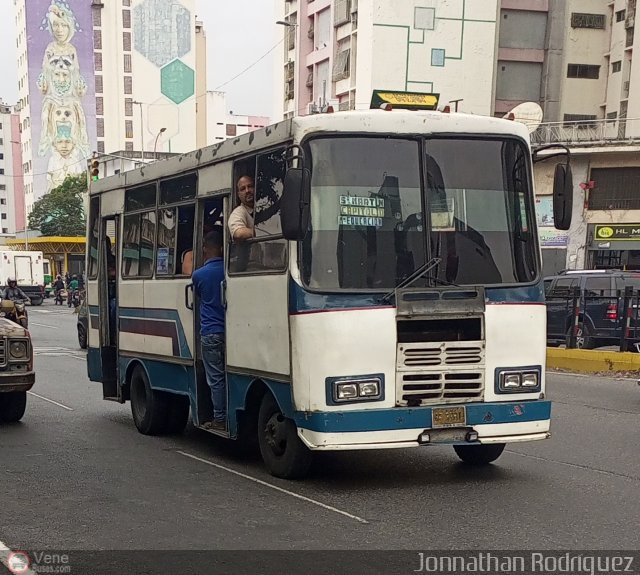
(10,168)
(104,76)
(338,51)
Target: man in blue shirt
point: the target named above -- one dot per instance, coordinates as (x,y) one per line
(207,282)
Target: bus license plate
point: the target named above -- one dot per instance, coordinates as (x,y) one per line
(448,416)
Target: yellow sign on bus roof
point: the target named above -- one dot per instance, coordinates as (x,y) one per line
(405,100)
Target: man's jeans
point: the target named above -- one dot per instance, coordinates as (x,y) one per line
(213,358)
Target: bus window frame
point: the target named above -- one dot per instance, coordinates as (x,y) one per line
(98,219)
(157,207)
(234,203)
(174,275)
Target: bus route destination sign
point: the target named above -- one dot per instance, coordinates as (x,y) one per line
(358,211)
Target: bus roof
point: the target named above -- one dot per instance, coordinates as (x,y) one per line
(396,122)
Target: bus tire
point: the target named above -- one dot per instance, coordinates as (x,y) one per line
(150,408)
(178,414)
(283,453)
(479,454)
(12,406)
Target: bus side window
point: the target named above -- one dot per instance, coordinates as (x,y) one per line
(175,239)
(265,254)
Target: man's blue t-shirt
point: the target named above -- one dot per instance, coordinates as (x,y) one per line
(206,282)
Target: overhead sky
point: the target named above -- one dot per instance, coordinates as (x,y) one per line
(238,34)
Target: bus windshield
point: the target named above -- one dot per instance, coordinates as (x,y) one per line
(369,199)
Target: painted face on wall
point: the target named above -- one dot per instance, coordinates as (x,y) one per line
(64,146)
(60,29)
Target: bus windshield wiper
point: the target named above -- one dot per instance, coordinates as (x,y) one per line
(413,277)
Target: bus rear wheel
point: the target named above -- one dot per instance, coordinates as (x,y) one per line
(150,408)
(479,454)
(282,451)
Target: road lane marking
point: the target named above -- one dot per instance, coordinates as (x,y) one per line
(6,554)
(574,465)
(50,401)
(275,487)
(45,325)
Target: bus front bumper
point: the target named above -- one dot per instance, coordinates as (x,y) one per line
(402,427)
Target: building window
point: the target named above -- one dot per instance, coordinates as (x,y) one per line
(584,120)
(588,71)
(616,66)
(231,130)
(128,129)
(128,85)
(126,18)
(99,86)
(98,61)
(581,20)
(97,40)
(99,106)
(341,12)
(128,107)
(126,41)
(1,171)
(128,146)
(100,127)
(127,63)
(126,2)
(3,187)
(97,17)
(621,15)
(1,156)
(101,147)
(341,65)
(615,189)
(4,216)
(5,230)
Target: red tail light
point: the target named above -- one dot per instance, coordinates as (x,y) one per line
(612,311)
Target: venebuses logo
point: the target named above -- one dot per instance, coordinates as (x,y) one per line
(18,562)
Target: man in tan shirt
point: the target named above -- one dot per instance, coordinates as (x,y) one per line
(241,219)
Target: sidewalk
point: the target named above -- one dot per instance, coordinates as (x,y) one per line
(592,361)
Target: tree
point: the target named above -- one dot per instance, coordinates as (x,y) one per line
(61,211)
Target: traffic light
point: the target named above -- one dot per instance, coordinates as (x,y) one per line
(94,169)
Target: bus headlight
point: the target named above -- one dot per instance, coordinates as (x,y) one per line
(519,380)
(340,390)
(18,350)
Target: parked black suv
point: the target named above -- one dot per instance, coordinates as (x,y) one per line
(601,303)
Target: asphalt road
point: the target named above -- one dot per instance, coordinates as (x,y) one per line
(75,474)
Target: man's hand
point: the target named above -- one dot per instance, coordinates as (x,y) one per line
(242,234)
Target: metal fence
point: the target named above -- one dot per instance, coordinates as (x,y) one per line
(610,131)
(583,319)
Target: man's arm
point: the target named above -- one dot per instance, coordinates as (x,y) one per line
(238,227)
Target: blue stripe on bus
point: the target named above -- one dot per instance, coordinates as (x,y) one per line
(303,301)
(146,316)
(420,417)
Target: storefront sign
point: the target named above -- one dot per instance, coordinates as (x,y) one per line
(552,238)
(617,233)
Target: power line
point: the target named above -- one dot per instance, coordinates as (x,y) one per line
(250,66)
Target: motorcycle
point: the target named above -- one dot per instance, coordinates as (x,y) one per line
(61,296)
(74,298)
(15,311)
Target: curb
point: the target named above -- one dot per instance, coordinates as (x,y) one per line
(590,361)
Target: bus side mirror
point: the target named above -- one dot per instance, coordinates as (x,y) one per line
(294,204)
(562,196)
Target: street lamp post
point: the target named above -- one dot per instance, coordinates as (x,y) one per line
(141,129)
(293,25)
(155,145)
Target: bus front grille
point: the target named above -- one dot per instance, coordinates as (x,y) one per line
(439,372)
(422,388)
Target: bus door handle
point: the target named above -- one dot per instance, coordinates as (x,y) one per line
(223,293)
(188,302)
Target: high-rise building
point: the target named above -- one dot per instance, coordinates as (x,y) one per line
(117,76)
(10,169)
(339,51)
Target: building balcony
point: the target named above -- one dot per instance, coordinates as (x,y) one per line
(621,131)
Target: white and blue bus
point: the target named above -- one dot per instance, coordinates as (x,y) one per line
(392,296)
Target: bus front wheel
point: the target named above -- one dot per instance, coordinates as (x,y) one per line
(479,454)
(149,407)
(282,451)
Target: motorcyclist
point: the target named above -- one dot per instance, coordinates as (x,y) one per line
(73,287)
(58,286)
(13,292)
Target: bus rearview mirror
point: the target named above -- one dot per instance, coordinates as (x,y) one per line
(294,204)
(562,197)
